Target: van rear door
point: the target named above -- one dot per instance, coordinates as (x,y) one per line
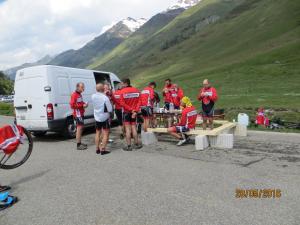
(30,102)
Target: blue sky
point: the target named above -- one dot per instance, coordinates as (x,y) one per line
(32,29)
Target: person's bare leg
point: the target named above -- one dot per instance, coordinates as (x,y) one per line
(120,128)
(105,137)
(211,123)
(174,134)
(146,124)
(97,139)
(79,133)
(154,121)
(204,125)
(128,134)
(135,134)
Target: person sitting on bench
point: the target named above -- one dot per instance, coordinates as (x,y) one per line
(187,122)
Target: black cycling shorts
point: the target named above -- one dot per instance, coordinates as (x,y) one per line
(102,125)
(147,112)
(79,121)
(208,110)
(119,114)
(128,120)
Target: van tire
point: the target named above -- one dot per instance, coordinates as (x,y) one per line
(70,129)
(39,133)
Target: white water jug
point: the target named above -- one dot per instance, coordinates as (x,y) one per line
(243,119)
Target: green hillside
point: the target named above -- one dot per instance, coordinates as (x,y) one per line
(141,36)
(249,49)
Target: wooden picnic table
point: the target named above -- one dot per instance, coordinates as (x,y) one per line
(167,118)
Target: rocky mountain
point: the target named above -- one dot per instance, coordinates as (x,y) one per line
(99,46)
(11,73)
(141,35)
(185,4)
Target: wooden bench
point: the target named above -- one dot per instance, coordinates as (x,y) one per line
(225,125)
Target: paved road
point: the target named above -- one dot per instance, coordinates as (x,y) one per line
(161,184)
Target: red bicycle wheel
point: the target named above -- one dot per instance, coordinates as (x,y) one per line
(20,156)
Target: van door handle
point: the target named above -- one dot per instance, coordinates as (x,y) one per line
(29,106)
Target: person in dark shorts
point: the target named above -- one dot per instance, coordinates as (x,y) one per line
(167,93)
(131,103)
(116,96)
(147,102)
(102,111)
(208,96)
(78,106)
(187,122)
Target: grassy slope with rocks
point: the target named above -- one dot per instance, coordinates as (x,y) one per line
(250,50)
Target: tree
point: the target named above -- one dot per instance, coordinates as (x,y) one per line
(6,85)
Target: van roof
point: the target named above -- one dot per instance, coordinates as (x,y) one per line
(68,68)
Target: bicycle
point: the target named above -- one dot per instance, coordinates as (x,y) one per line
(16,145)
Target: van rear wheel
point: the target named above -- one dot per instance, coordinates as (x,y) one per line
(70,129)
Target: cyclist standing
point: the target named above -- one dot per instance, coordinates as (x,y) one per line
(78,106)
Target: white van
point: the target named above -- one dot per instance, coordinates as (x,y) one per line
(42,96)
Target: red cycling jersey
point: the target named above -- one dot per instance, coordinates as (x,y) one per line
(176,96)
(189,117)
(76,104)
(116,98)
(167,94)
(130,99)
(206,95)
(147,97)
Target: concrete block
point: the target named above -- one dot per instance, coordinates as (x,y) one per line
(148,138)
(201,142)
(221,141)
(240,130)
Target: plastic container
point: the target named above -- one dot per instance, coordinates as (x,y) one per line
(171,107)
(243,119)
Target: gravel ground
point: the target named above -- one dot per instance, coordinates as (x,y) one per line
(160,184)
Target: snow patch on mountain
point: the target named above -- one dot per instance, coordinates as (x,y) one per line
(185,4)
(134,24)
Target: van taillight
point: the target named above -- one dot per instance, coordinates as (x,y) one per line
(50,112)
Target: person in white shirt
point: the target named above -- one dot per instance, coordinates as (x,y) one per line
(102,111)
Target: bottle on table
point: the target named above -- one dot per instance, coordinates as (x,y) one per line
(171,107)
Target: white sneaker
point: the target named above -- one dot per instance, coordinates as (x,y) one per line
(181,142)
(110,141)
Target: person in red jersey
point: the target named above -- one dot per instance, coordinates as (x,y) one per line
(147,102)
(116,98)
(208,96)
(167,93)
(78,106)
(131,103)
(176,96)
(187,122)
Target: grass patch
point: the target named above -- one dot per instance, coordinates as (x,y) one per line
(6,109)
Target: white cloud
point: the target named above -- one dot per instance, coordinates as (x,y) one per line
(31,29)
